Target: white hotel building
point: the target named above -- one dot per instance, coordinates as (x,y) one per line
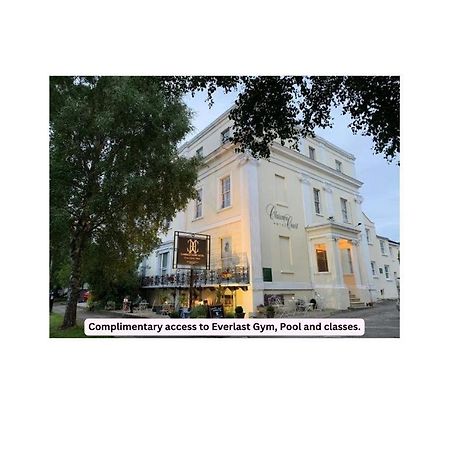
(291,226)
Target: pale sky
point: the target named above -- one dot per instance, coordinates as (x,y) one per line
(381,189)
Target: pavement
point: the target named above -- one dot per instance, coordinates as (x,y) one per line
(381,321)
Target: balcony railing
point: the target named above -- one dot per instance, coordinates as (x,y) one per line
(182,278)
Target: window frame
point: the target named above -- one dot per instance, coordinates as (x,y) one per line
(323,251)
(312,152)
(198,203)
(338,165)
(225,136)
(221,205)
(163,270)
(346,215)
(317,202)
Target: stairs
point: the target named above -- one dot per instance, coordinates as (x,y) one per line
(355,303)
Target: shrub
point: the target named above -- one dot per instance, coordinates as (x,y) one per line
(200,311)
(239,310)
(91,304)
(110,305)
(270,311)
(174,315)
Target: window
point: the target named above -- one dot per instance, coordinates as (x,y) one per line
(374,268)
(382,247)
(381,270)
(317,200)
(225,189)
(369,240)
(199,152)
(338,165)
(164,257)
(267,274)
(280,189)
(391,251)
(226,135)
(312,153)
(285,254)
(386,272)
(199,204)
(321,255)
(344,209)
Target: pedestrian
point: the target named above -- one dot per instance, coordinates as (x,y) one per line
(125,304)
(51,301)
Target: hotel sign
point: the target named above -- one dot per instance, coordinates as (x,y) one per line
(191,250)
(282,220)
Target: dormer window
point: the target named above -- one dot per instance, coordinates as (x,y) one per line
(312,153)
(338,165)
(199,152)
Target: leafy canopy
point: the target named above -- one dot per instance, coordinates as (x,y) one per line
(288,107)
(115,173)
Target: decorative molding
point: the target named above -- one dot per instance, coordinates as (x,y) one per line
(304,178)
(359,199)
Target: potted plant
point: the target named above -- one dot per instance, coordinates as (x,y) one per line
(270,312)
(219,294)
(261,309)
(239,312)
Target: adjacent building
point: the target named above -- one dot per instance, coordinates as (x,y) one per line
(291,227)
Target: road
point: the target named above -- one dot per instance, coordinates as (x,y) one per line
(382,321)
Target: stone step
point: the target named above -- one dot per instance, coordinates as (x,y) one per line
(357,305)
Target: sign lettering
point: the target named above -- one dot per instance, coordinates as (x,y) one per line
(283,220)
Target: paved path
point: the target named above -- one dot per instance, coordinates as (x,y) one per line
(382,321)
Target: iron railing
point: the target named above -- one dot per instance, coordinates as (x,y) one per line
(182,278)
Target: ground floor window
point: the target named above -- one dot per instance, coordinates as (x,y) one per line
(321,256)
(374,268)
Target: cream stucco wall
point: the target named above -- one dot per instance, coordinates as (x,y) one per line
(273,222)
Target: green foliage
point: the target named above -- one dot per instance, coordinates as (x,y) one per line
(287,107)
(219,294)
(200,311)
(110,305)
(270,311)
(115,174)
(174,315)
(56,332)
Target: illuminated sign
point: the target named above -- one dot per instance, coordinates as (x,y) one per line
(191,250)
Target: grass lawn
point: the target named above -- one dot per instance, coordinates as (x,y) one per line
(56,321)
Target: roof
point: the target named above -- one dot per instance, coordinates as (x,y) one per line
(225,115)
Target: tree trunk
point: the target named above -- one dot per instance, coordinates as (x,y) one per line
(70,316)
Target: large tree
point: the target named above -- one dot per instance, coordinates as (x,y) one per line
(287,107)
(115,174)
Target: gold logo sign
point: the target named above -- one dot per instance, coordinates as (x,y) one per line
(192,247)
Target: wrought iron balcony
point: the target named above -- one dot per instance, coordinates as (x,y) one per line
(182,278)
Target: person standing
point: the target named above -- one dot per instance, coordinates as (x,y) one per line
(52,297)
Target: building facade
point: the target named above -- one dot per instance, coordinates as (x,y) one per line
(288,227)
